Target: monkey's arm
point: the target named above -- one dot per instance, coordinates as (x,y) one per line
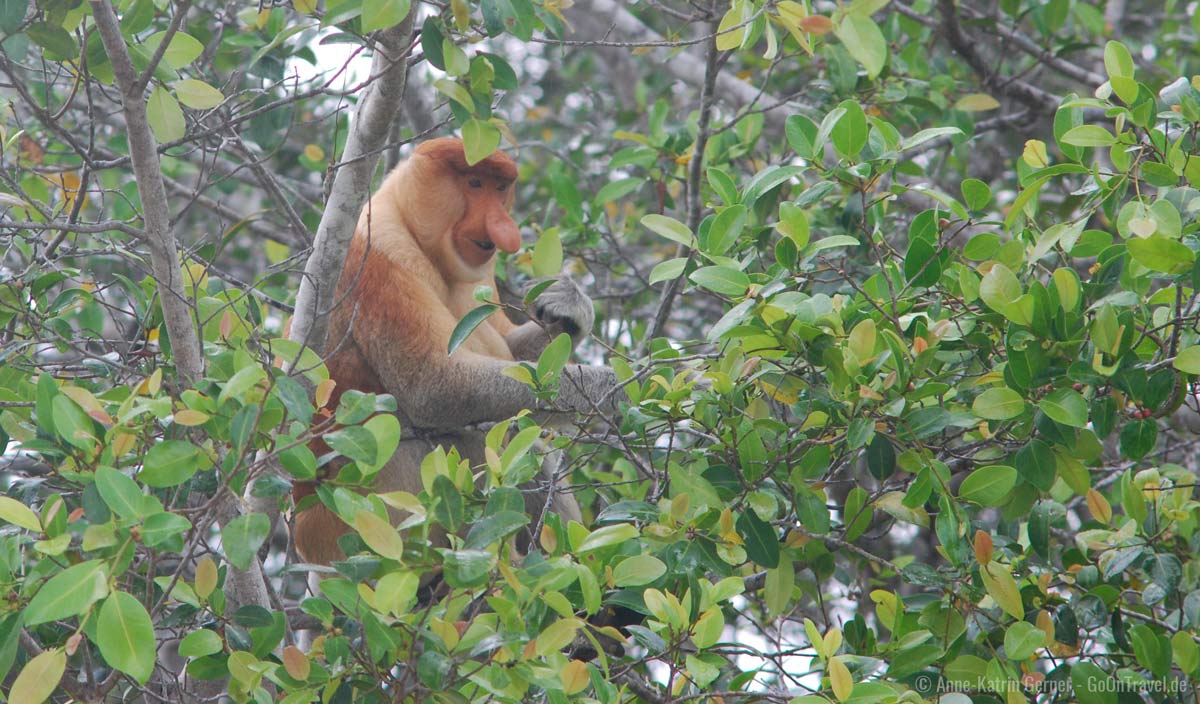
(474,389)
(407,354)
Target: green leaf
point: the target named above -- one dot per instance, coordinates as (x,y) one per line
(1088,136)
(1021,640)
(721,279)
(466,569)
(183,50)
(1138,437)
(1091,685)
(385,428)
(831,242)
(793,224)
(1158,253)
(1188,360)
(864,41)
(170,463)
(731,32)
(199,643)
(382,14)
(1036,464)
(120,493)
(197,95)
(849,135)
(19,514)
(39,678)
(668,270)
(999,403)
(638,571)
(12,14)
(1117,60)
(988,486)
(976,194)
(58,42)
(455,59)
(608,535)
(881,457)
(72,424)
(480,139)
(242,537)
(1001,291)
(669,228)
(760,540)
(468,324)
(125,636)
(615,190)
(356,443)
(163,527)
(68,593)
(494,528)
(548,253)
(452,90)
(1066,406)
(928,134)
(165,116)
(725,229)
(554,357)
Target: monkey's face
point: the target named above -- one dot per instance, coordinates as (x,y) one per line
(458,212)
(485,224)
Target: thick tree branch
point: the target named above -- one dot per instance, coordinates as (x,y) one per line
(147,172)
(351,185)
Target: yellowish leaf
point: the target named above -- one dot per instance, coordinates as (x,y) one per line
(379,535)
(976,102)
(1035,154)
(1099,506)
(839,679)
(324,392)
(574,677)
(206,577)
(295,662)
(39,678)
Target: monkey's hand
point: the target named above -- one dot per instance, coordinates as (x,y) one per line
(562,307)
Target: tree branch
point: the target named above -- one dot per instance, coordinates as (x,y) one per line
(351,186)
(684,65)
(966,47)
(147,172)
(695,175)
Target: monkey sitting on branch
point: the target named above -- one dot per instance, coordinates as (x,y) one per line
(424,242)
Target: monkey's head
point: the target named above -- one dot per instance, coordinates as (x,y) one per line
(459,213)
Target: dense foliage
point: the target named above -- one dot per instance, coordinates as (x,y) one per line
(905,296)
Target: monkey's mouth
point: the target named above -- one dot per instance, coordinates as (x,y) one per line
(485,245)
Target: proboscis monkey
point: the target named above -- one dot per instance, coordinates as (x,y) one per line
(425,240)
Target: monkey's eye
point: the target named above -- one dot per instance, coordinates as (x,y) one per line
(475,183)
(502,186)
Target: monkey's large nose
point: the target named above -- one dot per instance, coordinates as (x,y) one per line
(503,231)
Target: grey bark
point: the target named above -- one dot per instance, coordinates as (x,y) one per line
(351,185)
(147,172)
